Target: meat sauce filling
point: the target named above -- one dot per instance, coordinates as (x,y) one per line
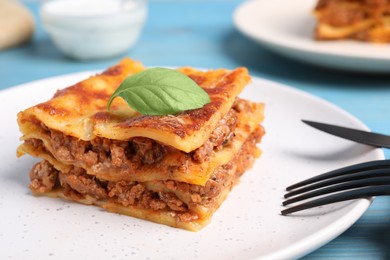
(138,150)
(77,184)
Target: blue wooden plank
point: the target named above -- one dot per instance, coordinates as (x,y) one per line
(201,34)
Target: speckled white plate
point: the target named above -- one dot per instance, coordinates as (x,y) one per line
(248,225)
(287,28)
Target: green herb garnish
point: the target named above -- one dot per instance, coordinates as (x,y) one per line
(160,91)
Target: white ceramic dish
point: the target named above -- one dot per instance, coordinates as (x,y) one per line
(93,29)
(247,226)
(287,28)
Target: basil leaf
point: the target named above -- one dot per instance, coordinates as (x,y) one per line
(160,91)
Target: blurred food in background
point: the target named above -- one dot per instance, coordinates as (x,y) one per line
(367,20)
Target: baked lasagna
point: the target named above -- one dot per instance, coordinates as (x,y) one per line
(365,20)
(174,170)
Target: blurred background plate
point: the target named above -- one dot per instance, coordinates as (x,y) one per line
(287,28)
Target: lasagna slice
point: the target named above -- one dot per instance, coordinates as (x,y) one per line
(174,170)
(365,20)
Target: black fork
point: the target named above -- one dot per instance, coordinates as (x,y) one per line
(352,182)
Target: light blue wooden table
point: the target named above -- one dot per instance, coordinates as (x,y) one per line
(200,33)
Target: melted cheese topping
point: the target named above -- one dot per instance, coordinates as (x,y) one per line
(80,110)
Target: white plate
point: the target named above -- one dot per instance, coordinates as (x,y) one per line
(248,225)
(287,28)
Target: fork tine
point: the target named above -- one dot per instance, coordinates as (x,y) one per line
(374,181)
(345,170)
(340,179)
(342,196)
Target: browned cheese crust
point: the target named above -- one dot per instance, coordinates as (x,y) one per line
(80,110)
(174,170)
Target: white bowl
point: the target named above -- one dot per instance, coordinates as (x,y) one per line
(93,29)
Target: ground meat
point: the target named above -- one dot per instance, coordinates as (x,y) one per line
(91,158)
(203,153)
(222,176)
(217,181)
(151,202)
(211,190)
(43,177)
(147,150)
(101,145)
(247,152)
(222,135)
(64,153)
(134,152)
(172,201)
(118,155)
(84,184)
(133,193)
(196,198)
(77,184)
(225,129)
(67,147)
(127,193)
(36,143)
(102,148)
